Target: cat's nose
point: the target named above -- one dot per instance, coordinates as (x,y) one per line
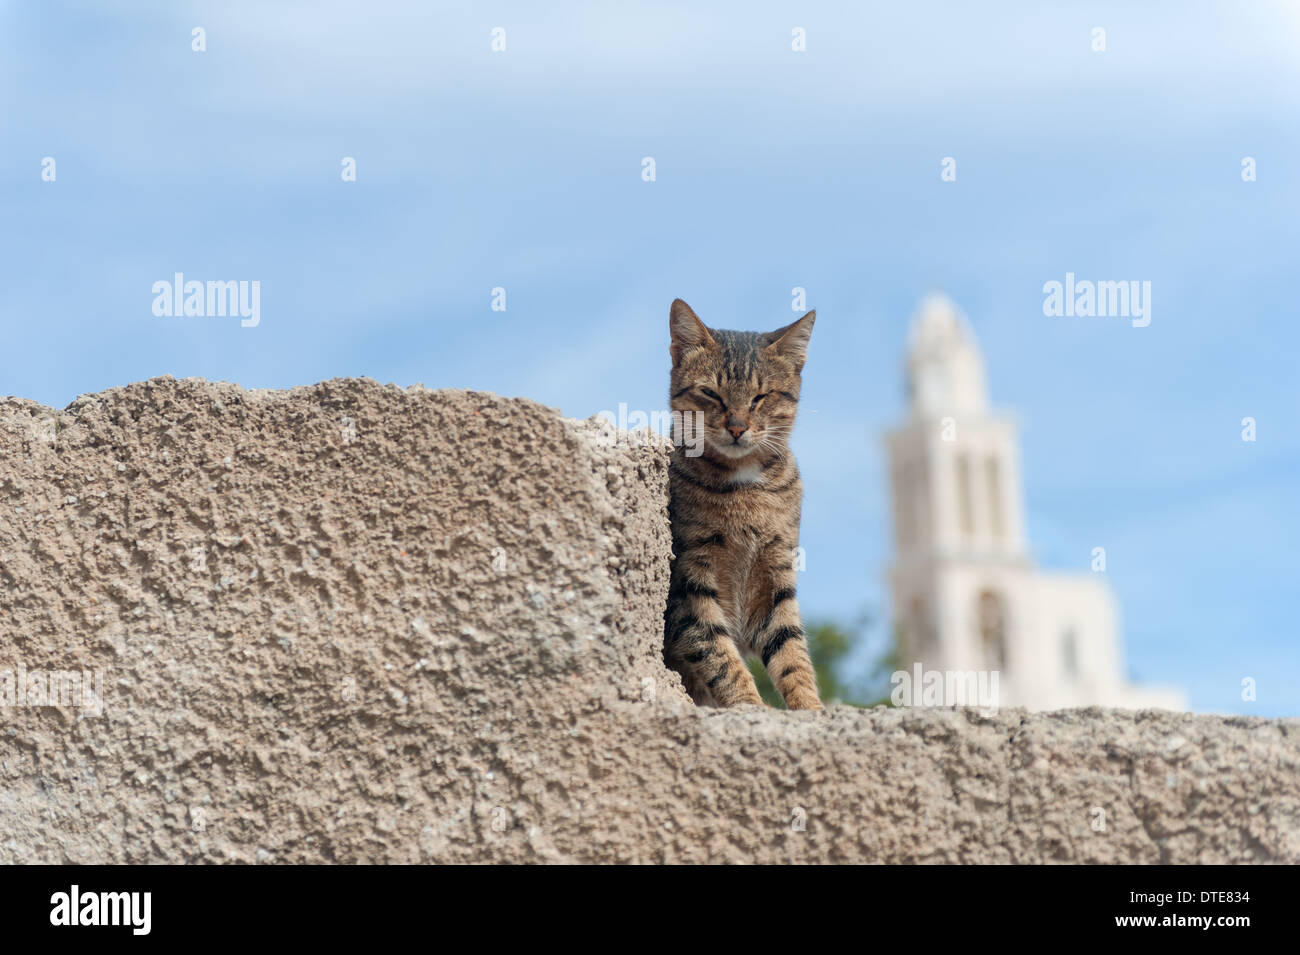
(736,426)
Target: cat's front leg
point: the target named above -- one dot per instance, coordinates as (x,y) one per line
(781,644)
(698,640)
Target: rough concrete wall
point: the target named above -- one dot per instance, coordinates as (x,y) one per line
(433,634)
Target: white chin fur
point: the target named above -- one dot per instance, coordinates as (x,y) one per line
(732,450)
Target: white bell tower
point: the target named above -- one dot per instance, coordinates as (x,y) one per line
(958,462)
(966,594)
(958,507)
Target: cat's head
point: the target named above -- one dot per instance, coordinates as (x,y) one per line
(744,384)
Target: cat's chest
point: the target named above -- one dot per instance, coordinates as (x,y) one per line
(747,475)
(747,509)
(750,522)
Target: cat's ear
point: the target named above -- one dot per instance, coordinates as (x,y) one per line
(686,329)
(791,342)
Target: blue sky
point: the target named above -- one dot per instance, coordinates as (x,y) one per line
(775,169)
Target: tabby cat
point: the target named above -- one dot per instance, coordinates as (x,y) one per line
(734,508)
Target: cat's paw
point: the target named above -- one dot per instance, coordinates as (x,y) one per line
(803,700)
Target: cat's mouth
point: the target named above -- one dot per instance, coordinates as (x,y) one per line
(731,449)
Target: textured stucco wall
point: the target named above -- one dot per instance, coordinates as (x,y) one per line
(350,622)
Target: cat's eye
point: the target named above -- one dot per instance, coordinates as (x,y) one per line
(714,395)
(757,398)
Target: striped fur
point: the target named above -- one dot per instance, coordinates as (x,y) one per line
(735,513)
